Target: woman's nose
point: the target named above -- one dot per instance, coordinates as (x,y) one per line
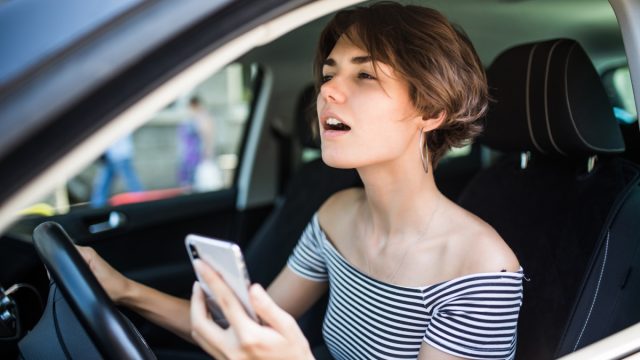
(331,91)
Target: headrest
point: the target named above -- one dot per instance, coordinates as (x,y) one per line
(305,118)
(549,99)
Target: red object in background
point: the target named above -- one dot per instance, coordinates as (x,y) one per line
(142,196)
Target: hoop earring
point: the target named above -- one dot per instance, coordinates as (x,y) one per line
(424,151)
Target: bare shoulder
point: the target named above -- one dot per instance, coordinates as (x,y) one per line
(337,214)
(479,245)
(340,204)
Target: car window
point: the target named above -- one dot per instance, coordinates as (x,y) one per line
(618,85)
(192,145)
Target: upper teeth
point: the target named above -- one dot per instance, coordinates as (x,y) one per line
(333,121)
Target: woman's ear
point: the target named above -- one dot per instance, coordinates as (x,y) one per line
(432,123)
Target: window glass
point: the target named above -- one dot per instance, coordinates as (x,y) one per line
(618,84)
(190,146)
(458,152)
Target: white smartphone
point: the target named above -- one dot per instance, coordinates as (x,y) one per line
(226,258)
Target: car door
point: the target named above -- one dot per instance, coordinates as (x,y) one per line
(141,233)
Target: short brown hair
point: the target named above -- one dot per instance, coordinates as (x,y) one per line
(438,61)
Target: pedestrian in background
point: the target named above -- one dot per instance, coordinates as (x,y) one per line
(116,161)
(196,134)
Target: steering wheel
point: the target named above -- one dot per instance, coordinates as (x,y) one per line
(112,334)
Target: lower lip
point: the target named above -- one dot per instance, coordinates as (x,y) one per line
(332,134)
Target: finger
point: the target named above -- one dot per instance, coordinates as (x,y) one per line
(198,303)
(229,303)
(207,333)
(271,313)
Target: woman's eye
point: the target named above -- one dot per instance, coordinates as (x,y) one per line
(363,75)
(326,78)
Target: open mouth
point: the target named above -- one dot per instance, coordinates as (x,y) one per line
(335,124)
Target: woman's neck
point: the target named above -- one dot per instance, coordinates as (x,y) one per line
(399,200)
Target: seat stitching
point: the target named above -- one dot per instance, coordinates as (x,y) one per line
(604,261)
(573,122)
(546,98)
(528,106)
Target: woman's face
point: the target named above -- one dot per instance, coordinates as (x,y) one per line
(366,116)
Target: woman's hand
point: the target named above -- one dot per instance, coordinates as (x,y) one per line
(114,283)
(279,337)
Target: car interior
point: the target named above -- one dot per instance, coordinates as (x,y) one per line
(556,172)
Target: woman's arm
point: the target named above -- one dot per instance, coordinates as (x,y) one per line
(295,294)
(428,352)
(167,311)
(289,291)
(292,293)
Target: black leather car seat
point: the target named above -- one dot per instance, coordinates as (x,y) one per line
(560,197)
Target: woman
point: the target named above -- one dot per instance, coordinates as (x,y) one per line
(410,273)
(196,134)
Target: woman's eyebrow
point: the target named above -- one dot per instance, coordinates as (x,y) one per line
(361,59)
(354,60)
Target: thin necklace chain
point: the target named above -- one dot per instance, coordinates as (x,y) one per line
(406,250)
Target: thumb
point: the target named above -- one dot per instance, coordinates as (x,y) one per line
(272,314)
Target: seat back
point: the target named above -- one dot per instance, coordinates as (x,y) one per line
(548,197)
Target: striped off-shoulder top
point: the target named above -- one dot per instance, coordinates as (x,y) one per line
(473,316)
